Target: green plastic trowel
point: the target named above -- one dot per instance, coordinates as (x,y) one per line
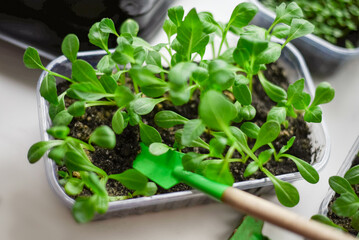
(167,170)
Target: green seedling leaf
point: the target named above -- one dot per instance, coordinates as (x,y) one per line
(191,161)
(313,114)
(167,119)
(158,148)
(270,54)
(74,186)
(340,185)
(131,179)
(94,183)
(84,209)
(216,110)
(134,118)
(286,193)
(124,52)
(208,23)
(63,118)
(109,83)
(58,153)
(277,114)
(242,141)
(217,146)
(346,205)
(154,58)
(287,146)
(247,112)
(241,92)
(130,26)
(179,74)
(149,190)
(299,28)
(327,221)
(32,59)
(265,156)
(150,85)
(83,72)
(103,136)
(149,134)
(54,109)
(218,171)
(118,122)
(143,106)
(123,96)
(190,35)
(295,94)
(324,93)
(242,14)
(106,64)
(37,150)
(192,130)
(250,129)
(140,55)
(250,229)
(281,31)
(98,37)
(251,169)
(48,89)
(355,221)
(221,77)
(285,14)
(175,14)
(107,26)
(198,142)
(352,175)
(267,134)
(70,47)
(77,109)
(274,92)
(59,132)
(169,27)
(305,169)
(77,162)
(254,32)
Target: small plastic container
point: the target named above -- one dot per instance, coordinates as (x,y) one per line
(347,164)
(322,57)
(294,68)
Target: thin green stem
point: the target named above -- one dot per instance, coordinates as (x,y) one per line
(100,103)
(59,75)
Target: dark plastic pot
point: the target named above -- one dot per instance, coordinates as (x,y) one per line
(322,57)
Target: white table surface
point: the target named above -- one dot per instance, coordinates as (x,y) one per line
(30,210)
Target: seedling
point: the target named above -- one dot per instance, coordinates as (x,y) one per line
(347,203)
(135,77)
(249,229)
(333,20)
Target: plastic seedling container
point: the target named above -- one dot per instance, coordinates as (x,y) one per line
(323,58)
(294,68)
(347,164)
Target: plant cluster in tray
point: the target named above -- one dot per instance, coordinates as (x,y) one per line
(335,21)
(344,207)
(137,77)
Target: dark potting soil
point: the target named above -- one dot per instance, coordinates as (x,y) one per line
(345,222)
(127,146)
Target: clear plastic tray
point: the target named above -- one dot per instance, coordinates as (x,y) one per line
(323,209)
(322,57)
(294,67)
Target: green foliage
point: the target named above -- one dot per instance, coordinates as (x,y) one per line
(249,229)
(137,79)
(334,20)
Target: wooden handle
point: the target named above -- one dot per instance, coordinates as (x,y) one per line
(277,215)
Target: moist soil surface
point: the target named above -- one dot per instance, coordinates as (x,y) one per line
(344,221)
(127,146)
